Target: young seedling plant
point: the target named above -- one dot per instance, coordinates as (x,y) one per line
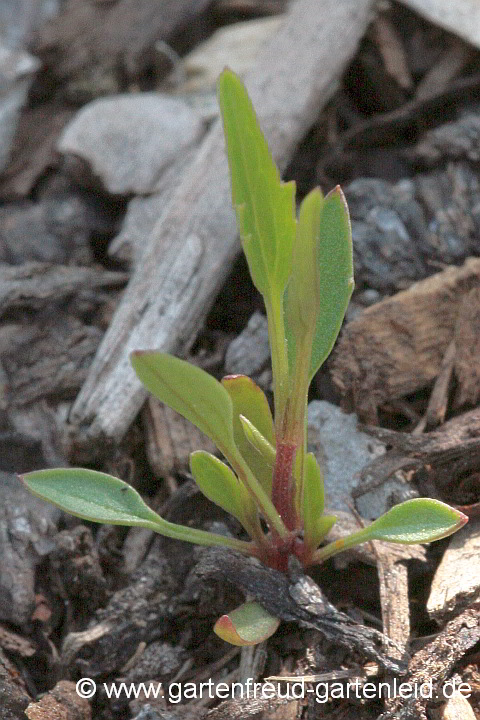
(303,269)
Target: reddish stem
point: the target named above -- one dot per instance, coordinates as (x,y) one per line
(277,555)
(282,488)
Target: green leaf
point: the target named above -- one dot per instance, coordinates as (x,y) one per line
(220,485)
(335,275)
(302,295)
(261,456)
(90,495)
(315,528)
(420,520)
(265,206)
(250,402)
(322,527)
(248,624)
(415,521)
(190,391)
(102,498)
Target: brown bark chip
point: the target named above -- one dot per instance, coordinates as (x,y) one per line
(397,346)
(467,342)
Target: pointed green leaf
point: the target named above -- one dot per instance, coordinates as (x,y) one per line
(248,624)
(313,502)
(335,275)
(102,498)
(190,391)
(258,441)
(416,521)
(302,295)
(220,485)
(249,400)
(265,206)
(261,455)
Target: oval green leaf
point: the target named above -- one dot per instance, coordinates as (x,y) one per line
(335,275)
(102,498)
(248,624)
(90,495)
(190,391)
(249,401)
(315,524)
(420,520)
(220,485)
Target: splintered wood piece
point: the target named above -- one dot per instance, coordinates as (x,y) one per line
(457,580)
(438,400)
(34,285)
(397,346)
(392,50)
(394,601)
(191,250)
(393,582)
(448,453)
(296,598)
(171,439)
(467,342)
(434,663)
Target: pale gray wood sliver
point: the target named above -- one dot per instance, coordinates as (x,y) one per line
(192,248)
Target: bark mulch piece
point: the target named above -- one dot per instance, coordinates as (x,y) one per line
(397,346)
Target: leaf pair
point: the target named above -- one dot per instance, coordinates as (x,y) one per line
(321,281)
(221,411)
(215,408)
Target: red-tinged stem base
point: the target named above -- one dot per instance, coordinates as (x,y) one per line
(276,556)
(282,487)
